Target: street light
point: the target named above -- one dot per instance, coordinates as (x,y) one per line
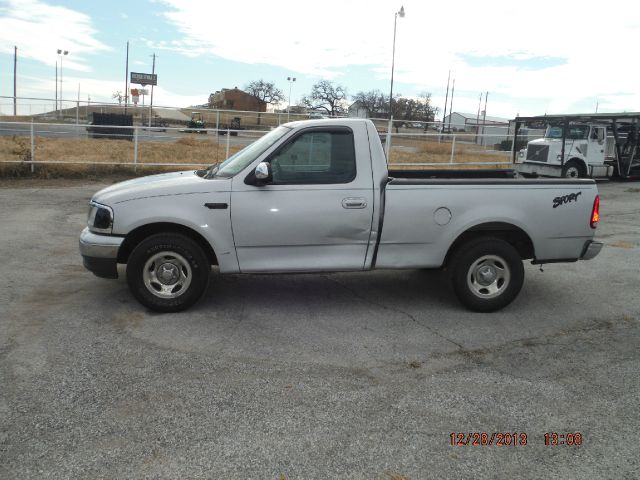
(61,54)
(400,14)
(291,80)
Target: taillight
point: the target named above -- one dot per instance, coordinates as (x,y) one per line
(595,213)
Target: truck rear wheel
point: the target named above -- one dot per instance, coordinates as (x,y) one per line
(487,274)
(168,272)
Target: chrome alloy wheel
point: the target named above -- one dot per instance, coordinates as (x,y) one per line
(167,274)
(488,276)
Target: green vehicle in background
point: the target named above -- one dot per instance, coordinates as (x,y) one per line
(196,124)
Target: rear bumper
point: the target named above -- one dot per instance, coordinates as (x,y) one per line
(590,250)
(100,253)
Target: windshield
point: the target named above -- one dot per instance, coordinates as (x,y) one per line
(239,161)
(574,132)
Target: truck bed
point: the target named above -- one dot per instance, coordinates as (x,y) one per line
(474,177)
(432,174)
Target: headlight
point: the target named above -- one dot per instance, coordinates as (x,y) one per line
(100,218)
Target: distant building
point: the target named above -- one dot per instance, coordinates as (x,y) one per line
(490,130)
(235,99)
(357,110)
(296,109)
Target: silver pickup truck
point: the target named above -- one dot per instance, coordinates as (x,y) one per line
(316,196)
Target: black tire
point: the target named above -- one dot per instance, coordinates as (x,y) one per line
(573,169)
(476,263)
(168,272)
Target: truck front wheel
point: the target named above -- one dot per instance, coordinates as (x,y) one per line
(486,274)
(168,272)
(573,169)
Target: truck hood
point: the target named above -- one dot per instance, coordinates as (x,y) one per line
(550,141)
(540,141)
(165,184)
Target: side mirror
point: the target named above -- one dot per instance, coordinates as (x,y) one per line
(263,172)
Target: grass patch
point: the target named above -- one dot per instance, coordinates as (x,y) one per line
(428,150)
(95,157)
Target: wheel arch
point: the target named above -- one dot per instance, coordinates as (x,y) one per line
(508,232)
(581,163)
(137,235)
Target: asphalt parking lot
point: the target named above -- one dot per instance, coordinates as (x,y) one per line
(360,375)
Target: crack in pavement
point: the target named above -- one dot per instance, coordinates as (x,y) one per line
(397,310)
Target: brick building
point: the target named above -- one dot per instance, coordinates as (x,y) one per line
(235,99)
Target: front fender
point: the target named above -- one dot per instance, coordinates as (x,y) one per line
(188,210)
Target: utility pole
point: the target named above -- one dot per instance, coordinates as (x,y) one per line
(446,100)
(484,116)
(478,118)
(453,89)
(15,90)
(153,71)
(56,88)
(126,81)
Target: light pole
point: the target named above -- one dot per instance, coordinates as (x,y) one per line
(291,80)
(399,13)
(61,54)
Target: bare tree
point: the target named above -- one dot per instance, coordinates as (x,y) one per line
(414,109)
(326,96)
(373,101)
(265,91)
(118,96)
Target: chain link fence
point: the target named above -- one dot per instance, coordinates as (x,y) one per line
(164,138)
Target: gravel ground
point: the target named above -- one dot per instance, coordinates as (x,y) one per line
(361,375)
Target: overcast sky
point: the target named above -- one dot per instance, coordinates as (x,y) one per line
(532,57)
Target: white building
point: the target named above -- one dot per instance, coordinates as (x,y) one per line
(486,131)
(358,110)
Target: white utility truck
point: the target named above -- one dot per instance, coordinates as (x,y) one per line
(580,146)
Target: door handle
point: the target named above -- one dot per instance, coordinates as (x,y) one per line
(354,202)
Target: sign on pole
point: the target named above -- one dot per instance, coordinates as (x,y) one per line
(144,78)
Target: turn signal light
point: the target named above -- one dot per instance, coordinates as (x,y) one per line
(595,213)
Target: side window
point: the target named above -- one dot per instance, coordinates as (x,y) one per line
(316,157)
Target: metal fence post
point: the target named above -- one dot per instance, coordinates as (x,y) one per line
(135,149)
(228,139)
(387,146)
(33,149)
(453,149)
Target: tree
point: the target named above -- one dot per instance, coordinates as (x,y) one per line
(373,101)
(118,96)
(265,91)
(416,109)
(326,96)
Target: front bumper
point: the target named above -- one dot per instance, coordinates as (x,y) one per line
(590,250)
(100,253)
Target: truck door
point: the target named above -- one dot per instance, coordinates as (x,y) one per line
(597,145)
(315,214)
